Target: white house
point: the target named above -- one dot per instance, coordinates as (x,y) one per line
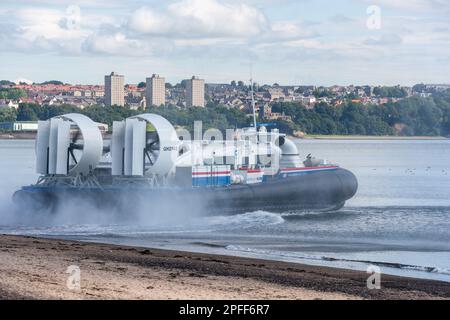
(9,104)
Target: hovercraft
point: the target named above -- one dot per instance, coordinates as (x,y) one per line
(147,160)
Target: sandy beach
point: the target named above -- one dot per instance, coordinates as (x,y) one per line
(36,268)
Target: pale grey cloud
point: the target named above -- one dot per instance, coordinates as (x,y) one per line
(102,4)
(223,34)
(340,18)
(114,44)
(384,40)
(413,5)
(200,18)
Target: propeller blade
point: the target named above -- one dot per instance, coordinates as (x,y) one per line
(76,136)
(76,146)
(153,144)
(149,157)
(73,156)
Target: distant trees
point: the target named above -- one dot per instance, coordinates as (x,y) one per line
(419,88)
(26,113)
(322,92)
(212,116)
(12,93)
(183,84)
(407,117)
(54,82)
(390,92)
(239,84)
(141,85)
(445,125)
(421,116)
(442,101)
(6,83)
(411,116)
(33,112)
(8,114)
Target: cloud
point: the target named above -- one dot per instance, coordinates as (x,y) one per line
(82,3)
(290,30)
(37,30)
(209,28)
(200,19)
(221,34)
(384,40)
(114,44)
(23,80)
(340,18)
(45,23)
(413,5)
(164,29)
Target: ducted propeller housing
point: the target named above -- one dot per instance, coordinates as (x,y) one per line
(146,144)
(69,144)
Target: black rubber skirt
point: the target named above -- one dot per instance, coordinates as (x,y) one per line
(322,190)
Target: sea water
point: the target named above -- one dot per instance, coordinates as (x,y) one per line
(399,220)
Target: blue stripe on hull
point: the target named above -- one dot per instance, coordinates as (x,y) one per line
(211,181)
(285,174)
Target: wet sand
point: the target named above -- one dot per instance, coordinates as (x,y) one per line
(35,268)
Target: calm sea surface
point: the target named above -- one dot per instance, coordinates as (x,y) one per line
(399,219)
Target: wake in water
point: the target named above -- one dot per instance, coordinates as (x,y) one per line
(67,225)
(76,211)
(293,256)
(415,237)
(348,238)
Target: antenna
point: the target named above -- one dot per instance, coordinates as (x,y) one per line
(253,97)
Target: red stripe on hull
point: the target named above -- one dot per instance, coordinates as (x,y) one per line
(210,173)
(308,168)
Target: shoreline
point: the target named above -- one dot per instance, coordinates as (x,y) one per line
(35,268)
(32,136)
(26,136)
(331,137)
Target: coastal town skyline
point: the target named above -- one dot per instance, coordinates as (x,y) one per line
(356,42)
(193,91)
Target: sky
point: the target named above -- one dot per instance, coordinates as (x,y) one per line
(291,42)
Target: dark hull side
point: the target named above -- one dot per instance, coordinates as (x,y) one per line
(322,190)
